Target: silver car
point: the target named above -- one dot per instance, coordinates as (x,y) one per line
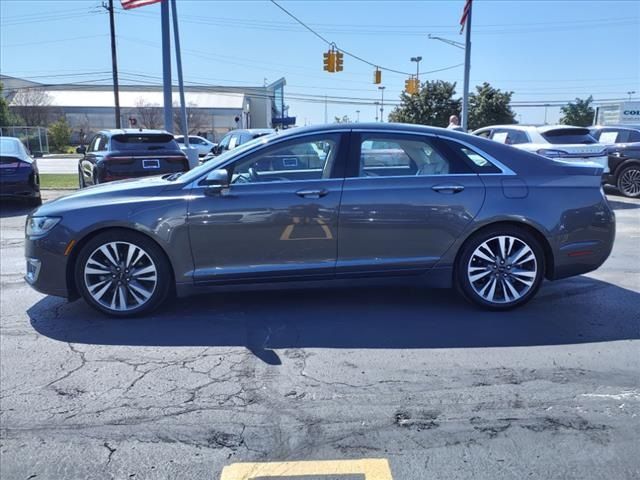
(313,205)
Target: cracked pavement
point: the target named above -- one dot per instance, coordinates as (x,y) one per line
(441,389)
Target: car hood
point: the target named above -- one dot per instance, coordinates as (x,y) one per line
(107,193)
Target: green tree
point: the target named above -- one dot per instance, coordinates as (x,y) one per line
(489,106)
(60,134)
(7,118)
(432,105)
(579,113)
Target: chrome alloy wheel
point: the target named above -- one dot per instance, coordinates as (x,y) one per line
(502,269)
(120,276)
(629,182)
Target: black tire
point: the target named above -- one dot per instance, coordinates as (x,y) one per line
(81,182)
(156,257)
(503,274)
(628,181)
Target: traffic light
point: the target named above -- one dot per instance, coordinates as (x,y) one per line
(330,61)
(411,85)
(339,61)
(377,76)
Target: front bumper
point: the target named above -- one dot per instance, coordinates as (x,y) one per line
(46,265)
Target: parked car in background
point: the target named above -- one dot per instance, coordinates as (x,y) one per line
(615,134)
(450,214)
(201,144)
(561,142)
(129,153)
(624,169)
(18,172)
(238,137)
(623,143)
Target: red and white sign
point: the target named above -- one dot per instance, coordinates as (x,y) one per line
(465,14)
(129,4)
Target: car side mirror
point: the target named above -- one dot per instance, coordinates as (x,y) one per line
(216,181)
(81,149)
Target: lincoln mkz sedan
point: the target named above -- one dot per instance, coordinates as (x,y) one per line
(316,205)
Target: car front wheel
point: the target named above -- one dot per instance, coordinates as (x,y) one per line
(629,181)
(500,268)
(122,273)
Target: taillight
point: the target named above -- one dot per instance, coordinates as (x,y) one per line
(551,153)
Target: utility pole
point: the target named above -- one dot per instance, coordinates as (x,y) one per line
(375,104)
(114,61)
(381,88)
(467,68)
(166,66)
(326,119)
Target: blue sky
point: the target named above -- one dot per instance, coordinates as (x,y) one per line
(541,50)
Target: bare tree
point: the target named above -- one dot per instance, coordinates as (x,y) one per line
(149,114)
(197,119)
(33,106)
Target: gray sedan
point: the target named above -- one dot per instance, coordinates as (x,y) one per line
(322,204)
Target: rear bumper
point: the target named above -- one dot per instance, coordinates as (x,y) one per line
(589,244)
(19,189)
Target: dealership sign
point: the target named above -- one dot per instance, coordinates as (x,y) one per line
(630,112)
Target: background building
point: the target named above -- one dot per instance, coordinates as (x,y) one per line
(212,110)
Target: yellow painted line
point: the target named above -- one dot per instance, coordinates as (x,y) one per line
(371,468)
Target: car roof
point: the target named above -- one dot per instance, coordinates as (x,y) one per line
(134,131)
(530,128)
(617,125)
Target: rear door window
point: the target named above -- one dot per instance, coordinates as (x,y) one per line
(568,136)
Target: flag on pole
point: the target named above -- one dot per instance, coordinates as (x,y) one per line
(129,4)
(463,19)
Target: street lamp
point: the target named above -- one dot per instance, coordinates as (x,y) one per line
(632,92)
(357,116)
(375,107)
(417,60)
(381,88)
(467,65)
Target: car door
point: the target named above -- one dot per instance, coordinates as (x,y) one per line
(277,219)
(403,206)
(88,162)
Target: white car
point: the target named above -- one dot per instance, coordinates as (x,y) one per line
(561,142)
(203,145)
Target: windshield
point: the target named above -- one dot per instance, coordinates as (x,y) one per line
(144,142)
(568,136)
(193,174)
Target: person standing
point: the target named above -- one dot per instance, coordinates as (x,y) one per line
(454,123)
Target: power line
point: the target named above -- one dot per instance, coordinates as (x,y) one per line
(349,54)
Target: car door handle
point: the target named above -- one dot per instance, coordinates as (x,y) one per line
(447,188)
(312,193)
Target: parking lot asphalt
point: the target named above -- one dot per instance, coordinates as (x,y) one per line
(435,386)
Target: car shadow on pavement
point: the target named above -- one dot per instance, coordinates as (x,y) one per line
(577,310)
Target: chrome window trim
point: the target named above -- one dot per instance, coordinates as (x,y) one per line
(275,141)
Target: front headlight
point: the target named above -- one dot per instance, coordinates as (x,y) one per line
(37,226)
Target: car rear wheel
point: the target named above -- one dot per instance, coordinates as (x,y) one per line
(81,182)
(122,273)
(500,268)
(629,181)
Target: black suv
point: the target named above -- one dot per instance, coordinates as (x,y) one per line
(119,154)
(624,156)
